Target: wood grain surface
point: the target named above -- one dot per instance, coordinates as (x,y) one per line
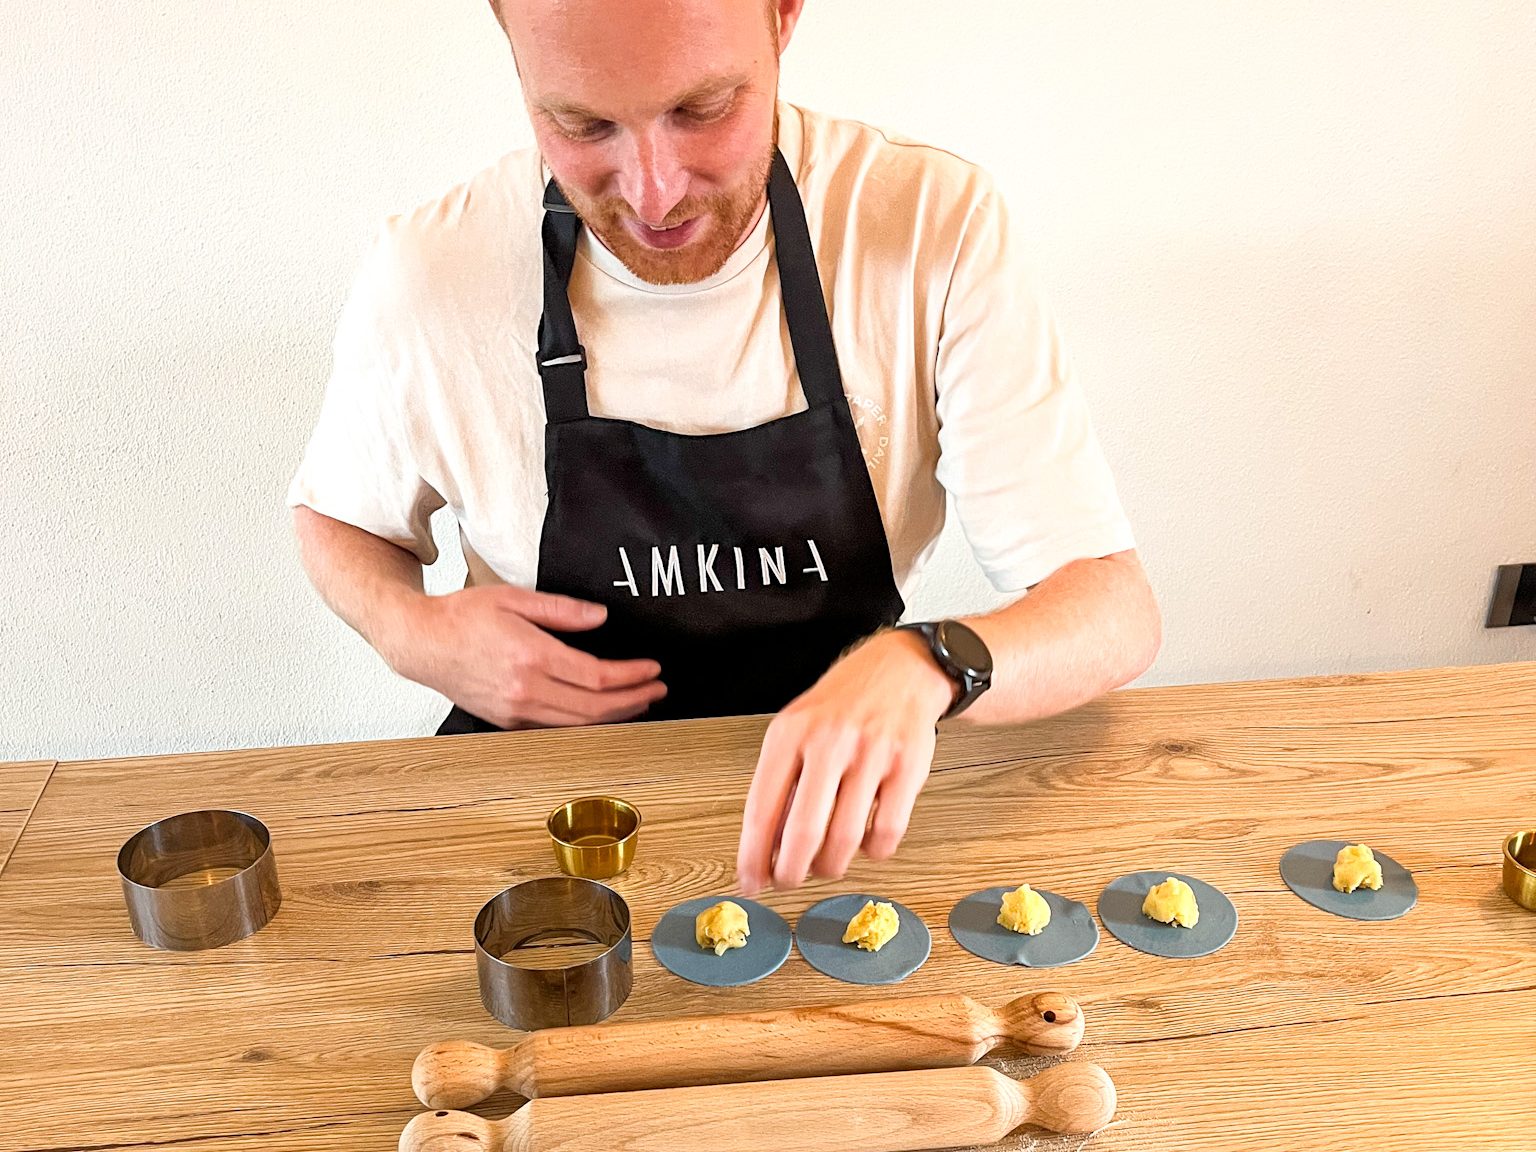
(1308,1031)
(21,783)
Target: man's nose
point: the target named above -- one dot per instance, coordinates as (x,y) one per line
(654,180)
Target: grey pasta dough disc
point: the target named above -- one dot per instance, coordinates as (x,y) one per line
(677,949)
(1069,937)
(1120,909)
(819,936)
(1307,870)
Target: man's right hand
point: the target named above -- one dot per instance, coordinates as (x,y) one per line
(490,651)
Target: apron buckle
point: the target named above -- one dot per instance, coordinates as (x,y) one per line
(577,357)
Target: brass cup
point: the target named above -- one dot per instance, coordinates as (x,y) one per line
(594,837)
(1520,869)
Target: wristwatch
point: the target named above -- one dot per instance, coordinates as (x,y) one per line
(962,655)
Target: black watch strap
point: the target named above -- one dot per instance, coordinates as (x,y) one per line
(963,657)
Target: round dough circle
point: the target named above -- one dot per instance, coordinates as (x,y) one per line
(1069,937)
(1307,870)
(677,949)
(819,935)
(1120,909)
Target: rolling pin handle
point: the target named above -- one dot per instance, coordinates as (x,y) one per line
(1044,1024)
(445,1131)
(457,1074)
(1075,1098)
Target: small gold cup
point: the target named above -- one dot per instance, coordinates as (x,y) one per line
(594,837)
(1520,869)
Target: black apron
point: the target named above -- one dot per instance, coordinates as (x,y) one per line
(744,563)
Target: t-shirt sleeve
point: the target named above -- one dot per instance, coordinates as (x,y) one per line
(1018,453)
(360,466)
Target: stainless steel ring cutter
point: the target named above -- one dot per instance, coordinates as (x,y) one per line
(199,880)
(523,993)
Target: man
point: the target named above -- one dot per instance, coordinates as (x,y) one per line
(694,376)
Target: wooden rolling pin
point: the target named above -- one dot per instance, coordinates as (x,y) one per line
(889,1035)
(881,1112)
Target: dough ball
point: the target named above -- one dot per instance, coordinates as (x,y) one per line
(722,927)
(872,926)
(1172,902)
(1356,867)
(1024,910)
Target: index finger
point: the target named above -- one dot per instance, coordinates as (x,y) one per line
(778,766)
(582,669)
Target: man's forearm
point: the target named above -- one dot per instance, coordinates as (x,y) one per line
(1088,628)
(364,579)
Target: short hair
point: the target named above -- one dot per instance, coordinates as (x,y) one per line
(770,10)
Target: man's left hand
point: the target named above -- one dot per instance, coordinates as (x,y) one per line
(843,763)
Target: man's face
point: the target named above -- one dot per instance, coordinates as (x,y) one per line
(656,118)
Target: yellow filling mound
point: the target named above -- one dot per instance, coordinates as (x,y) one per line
(1024,910)
(872,926)
(1356,867)
(722,927)
(1172,902)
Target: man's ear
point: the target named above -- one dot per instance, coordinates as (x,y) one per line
(787,15)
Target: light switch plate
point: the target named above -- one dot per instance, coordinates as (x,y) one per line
(1514,596)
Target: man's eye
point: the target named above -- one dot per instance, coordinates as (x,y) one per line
(706,113)
(586,129)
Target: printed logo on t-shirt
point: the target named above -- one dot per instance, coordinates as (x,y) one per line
(675,570)
(871,423)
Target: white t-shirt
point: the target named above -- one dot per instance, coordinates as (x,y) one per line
(954,371)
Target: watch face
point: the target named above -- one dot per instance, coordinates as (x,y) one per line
(964,647)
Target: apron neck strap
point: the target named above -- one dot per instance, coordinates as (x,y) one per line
(561,358)
(562,361)
(805,308)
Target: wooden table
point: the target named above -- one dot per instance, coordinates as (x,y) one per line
(1308,1031)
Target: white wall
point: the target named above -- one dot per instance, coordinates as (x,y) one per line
(1292,244)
